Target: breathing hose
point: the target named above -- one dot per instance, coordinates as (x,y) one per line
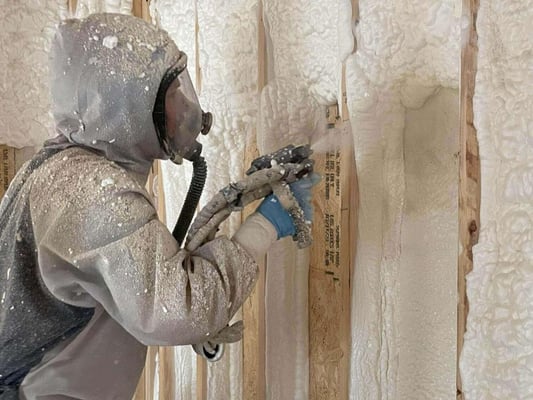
(199,174)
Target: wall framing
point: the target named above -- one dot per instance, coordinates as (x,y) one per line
(469,175)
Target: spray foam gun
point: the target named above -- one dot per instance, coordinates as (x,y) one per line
(271,173)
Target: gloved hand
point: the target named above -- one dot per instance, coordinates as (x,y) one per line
(302,190)
(274,212)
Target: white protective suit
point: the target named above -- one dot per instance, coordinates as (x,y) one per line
(98,240)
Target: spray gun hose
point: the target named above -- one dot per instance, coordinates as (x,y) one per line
(196,187)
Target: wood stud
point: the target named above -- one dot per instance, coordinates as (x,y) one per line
(469,175)
(254,340)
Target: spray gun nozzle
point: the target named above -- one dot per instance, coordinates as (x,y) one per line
(288,154)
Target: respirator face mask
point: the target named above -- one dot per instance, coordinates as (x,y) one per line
(178,117)
(178,120)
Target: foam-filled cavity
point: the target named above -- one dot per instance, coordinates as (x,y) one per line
(405,51)
(496,360)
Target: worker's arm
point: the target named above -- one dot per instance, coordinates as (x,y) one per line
(111,249)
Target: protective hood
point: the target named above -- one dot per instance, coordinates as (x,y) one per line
(105,74)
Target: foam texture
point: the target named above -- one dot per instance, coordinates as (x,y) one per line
(305,45)
(25,37)
(496,361)
(427,277)
(405,51)
(86,7)
(228,61)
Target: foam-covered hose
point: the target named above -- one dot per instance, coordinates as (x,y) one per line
(196,187)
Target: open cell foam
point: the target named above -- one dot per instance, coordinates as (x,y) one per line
(25,37)
(405,51)
(86,7)
(497,361)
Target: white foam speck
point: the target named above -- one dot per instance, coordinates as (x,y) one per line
(110,42)
(107,182)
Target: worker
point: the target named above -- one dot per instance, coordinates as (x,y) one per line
(88,274)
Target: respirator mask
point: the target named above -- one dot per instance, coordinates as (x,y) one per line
(178,117)
(178,120)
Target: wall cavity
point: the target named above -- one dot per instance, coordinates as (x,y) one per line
(496,360)
(306,44)
(427,272)
(405,51)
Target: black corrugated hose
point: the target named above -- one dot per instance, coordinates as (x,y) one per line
(199,174)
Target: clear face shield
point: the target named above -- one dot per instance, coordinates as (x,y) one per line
(180,119)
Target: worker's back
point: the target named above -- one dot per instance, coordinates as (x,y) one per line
(32,320)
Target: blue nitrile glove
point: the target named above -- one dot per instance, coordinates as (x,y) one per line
(302,190)
(272,209)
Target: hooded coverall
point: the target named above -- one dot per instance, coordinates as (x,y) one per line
(81,234)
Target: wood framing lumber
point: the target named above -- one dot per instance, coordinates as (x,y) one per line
(72,7)
(254,340)
(201,378)
(166,373)
(332,259)
(137,8)
(8,169)
(139,392)
(201,363)
(469,174)
(333,255)
(11,159)
(149,373)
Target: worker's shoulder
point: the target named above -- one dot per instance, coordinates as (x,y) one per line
(82,174)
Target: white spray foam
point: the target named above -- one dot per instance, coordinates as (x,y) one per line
(405,50)
(496,360)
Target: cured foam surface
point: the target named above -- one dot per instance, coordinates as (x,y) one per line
(427,277)
(405,50)
(25,37)
(86,7)
(496,362)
